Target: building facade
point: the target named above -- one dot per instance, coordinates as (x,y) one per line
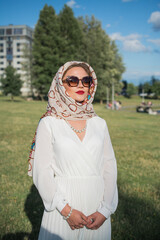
(13,40)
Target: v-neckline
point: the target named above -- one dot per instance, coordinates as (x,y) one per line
(74,133)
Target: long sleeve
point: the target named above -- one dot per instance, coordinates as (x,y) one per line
(44,169)
(110,198)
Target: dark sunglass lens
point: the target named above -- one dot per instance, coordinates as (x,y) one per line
(73,81)
(87,81)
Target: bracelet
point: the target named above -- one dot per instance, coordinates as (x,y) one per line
(65,218)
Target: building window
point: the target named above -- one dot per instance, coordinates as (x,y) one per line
(9,50)
(18,50)
(1,47)
(18,62)
(29,33)
(18,56)
(18,31)
(1,56)
(18,38)
(2,69)
(1,38)
(18,44)
(9,57)
(9,31)
(9,38)
(18,69)
(1,62)
(1,31)
(9,45)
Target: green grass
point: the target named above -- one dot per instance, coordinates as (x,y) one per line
(136,140)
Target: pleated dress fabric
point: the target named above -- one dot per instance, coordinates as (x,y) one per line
(81,173)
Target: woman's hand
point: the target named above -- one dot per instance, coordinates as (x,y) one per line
(77,218)
(95,220)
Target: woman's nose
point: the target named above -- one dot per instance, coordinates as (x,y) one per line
(80,83)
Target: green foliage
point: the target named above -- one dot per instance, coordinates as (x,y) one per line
(102,54)
(151,87)
(72,37)
(46,48)
(11,82)
(63,38)
(131,89)
(147,87)
(155,86)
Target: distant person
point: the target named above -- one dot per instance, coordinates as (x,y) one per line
(149,103)
(72,160)
(151,112)
(117,105)
(109,105)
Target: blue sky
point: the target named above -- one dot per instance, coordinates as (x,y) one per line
(133,24)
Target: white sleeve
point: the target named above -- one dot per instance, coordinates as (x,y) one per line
(110,198)
(43,169)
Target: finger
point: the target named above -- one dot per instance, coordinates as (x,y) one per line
(83,222)
(81,226)
(94,224)
(84,217)
(91,221)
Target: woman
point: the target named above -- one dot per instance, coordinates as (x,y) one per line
(72,160)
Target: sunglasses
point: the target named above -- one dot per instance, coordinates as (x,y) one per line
(73,81)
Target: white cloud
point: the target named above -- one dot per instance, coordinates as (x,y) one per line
(154,41)
(72,4)
(155,20)
(131,42)
(134,45)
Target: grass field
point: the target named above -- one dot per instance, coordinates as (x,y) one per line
(136,141)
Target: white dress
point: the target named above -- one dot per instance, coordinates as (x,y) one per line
(80,173)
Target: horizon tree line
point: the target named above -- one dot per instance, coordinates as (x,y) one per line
(63,37)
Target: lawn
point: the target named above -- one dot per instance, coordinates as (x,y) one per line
(136,140)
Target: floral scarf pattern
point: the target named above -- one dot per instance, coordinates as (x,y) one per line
(62,106)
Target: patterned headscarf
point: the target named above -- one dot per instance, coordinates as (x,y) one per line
(62,106)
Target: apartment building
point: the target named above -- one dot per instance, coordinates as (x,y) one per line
(13,40)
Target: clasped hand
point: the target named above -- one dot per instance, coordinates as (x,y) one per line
(79,220)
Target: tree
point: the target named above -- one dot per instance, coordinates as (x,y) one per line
(155,86)
(102,54)
(131,89)
(151,87)
(147,87)
(46,48)
(11,82)
(71,35)
(96,44)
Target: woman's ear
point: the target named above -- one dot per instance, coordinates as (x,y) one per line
(91,89)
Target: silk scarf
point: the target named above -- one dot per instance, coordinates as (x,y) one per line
(62,106)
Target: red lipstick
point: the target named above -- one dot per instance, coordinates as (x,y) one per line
(80,92)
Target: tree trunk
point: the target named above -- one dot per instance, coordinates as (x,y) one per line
(101,101)
(41,97)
